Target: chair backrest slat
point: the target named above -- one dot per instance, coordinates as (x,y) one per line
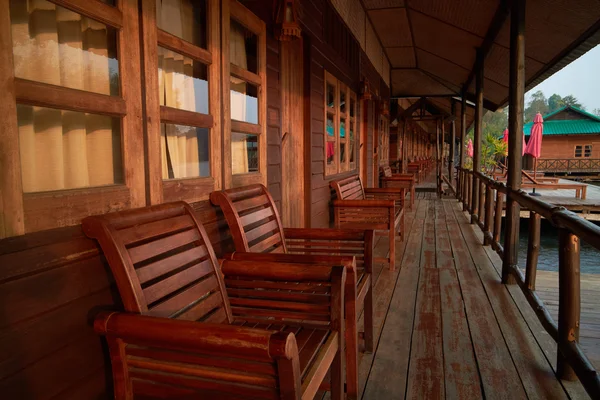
(387,171)
(350,188)
(252,217)
(163,262)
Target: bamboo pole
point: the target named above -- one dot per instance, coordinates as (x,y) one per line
(515,137)
(533,249)
(569,302)
(452,143)
(477,136)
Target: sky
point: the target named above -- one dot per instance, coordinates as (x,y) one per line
(581,78)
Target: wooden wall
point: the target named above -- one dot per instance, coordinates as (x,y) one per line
(564,146)
(52,284)
(333,48)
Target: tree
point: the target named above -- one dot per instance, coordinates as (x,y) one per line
(572,101)
(596,111)
(537,103)
(554,102)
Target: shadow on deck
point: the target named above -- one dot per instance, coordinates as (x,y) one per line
(446,327)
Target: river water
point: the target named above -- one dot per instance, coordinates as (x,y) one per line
(548,259)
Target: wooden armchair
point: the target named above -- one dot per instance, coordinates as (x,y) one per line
(418,169)
(406,181)
(380,209)
(256,227)
(195,340)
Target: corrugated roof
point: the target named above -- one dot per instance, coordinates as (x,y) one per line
(567,127)
(589,126)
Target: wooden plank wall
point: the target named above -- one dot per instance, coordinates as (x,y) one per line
(52,284)
(564,146)
(332,48)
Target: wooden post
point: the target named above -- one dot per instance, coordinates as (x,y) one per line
(452,143)
(533,249)
(441,161)
(489,215)
(437,154)
(498,218)
(477,136)
(481,206)
(404,148)
(516,97)
(569,302)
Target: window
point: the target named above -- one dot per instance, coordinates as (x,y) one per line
(583,151)
(340,126)
(244,87)
(181,79)
(587,150)
(75,76)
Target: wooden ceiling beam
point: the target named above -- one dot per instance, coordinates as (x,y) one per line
(487,104)
(498,21)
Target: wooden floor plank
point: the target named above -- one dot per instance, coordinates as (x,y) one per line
(494,361)
(460,369)
(394,345)
(383,290)
(426,371)
(534,370)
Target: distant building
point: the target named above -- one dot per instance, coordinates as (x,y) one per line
(571,141)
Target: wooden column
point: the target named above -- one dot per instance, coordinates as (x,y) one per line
(452,143)
(437,153)
(404,148)
(569,301)
(441,160)
(516,108)
(463,134)
(477,136)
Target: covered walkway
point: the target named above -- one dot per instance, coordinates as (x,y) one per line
(446,327)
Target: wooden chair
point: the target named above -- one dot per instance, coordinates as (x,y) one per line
(256,227)
(263,339)
(416,168)
(381,209)
(407,181)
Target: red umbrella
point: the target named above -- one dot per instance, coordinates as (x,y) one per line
(505,140)
(534,146)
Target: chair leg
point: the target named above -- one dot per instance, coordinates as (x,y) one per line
(351,337)
(368,320)
(337,376)
(392,247)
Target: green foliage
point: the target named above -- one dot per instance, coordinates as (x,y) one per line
(492,149)
(554,102)
(572,101)
(537,103)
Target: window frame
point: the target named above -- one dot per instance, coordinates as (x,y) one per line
(338,167)
(587,151)
(580,148)
(384,142)
(233,9)
(27,212)
(193,188)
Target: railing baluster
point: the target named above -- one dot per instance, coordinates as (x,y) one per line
(481,205)
(498,224)
(569,301)
(489,215)
(533,249)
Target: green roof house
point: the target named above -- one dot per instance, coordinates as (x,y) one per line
(569,133)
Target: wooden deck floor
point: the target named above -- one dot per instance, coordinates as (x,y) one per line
(446,327)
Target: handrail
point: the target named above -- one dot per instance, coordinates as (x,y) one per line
(572,363)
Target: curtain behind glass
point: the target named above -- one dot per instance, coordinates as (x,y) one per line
(63,149)
(180,155)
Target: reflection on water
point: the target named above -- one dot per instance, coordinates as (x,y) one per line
(548,259)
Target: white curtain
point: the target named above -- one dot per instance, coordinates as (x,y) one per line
(237,56)
(179,144)
(62,149)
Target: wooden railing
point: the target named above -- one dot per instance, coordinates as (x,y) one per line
(569,165)
(572,363)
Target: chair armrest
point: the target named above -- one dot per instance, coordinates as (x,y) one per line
(192,337)
(364,203)
(383,191)
(401,177)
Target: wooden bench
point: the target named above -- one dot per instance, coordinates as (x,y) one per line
(580,189)
(380,209)
(417,169)
(406,181)
(256,226)
(241,330)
